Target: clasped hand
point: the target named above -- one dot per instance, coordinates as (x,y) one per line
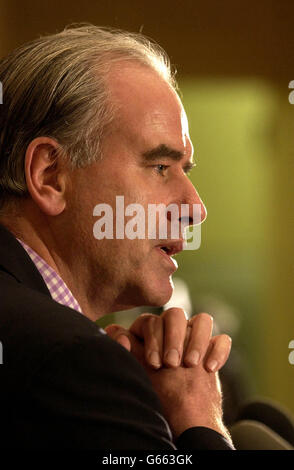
(181,358)
(170,340)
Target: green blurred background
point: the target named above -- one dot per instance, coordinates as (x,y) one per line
(234,61)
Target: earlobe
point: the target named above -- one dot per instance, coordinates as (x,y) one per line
(45,175)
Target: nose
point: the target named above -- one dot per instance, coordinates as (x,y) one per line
(191,209)
(196,210)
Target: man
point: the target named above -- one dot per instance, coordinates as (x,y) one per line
(89,114)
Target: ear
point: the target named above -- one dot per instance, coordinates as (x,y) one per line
(46,175)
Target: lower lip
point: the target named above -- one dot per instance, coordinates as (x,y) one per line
(172,263)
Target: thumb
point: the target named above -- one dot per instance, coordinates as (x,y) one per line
(120,335)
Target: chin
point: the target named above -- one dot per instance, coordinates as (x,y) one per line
(147,292)
(159,295)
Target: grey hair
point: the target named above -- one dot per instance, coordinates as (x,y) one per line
(56,86)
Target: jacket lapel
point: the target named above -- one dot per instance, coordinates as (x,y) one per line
(15,261)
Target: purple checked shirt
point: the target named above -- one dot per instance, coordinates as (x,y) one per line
(56,286)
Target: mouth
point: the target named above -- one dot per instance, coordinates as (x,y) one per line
(170,249)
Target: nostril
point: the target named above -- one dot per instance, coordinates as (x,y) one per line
(186,220)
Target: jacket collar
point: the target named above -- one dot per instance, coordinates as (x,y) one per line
(15,261)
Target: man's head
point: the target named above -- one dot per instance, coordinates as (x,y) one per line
(57,86)
(107,122)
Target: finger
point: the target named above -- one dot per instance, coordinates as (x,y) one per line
(187,338)
(119,334)
(149,327)
(200,335)
(175,327)
(219,352)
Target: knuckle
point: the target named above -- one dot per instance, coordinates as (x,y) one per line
(112,326)
(148,323)
(175,318)
(220,357)
(226,339)
(155,325)
(121,332)
(152,331)
(149,317)
(203,316)
(174,312)
(113,329)
(146,316)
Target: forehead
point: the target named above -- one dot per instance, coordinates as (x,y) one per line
(147,108)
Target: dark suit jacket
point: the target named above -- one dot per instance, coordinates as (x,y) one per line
(64,384)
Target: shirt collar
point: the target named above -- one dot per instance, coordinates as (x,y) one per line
(56,286)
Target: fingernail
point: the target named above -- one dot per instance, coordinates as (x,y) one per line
(154,359)
(193,357)
(172,357)
(212,365)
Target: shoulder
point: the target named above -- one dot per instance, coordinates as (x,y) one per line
(26,312)
(38,333)
(72,372)
(33,326)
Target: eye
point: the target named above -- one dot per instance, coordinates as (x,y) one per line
(160,168)
(188,168)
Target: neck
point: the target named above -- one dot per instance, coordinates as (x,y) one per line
(95,301)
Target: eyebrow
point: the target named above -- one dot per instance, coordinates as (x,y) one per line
(164,151)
